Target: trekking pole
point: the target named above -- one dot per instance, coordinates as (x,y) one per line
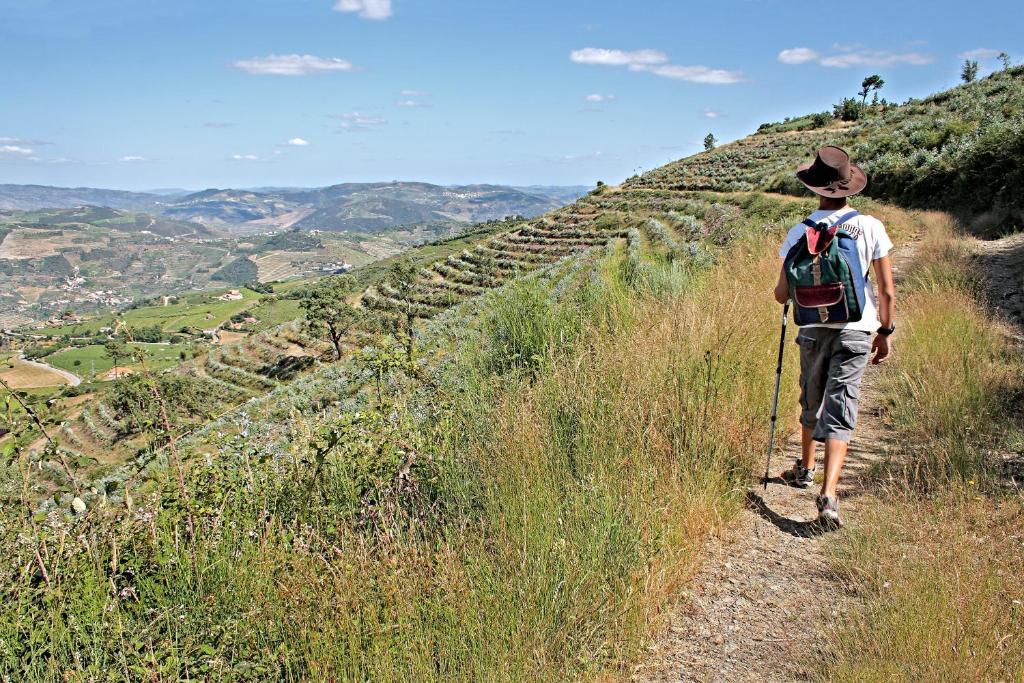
(775,401)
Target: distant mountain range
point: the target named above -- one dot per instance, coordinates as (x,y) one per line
(356,207)
(32,197)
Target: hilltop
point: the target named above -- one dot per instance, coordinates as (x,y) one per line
(532,429)
(33,197)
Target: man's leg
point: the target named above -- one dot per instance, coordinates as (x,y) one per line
(835,454)
(807,446)
(813,378)
(849,357)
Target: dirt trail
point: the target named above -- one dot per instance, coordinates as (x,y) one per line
(754,611)
(1001,262)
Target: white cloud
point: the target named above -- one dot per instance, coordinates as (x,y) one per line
(598,97)
(413,93)
(695,74)
(847,55)
(15,149)
(298,142)
(367,9)
(408,103)
(292,65)
(581,158)
(356,122)
(711,114)
(132,158)
(981,53)
(798,55)
(244,157)
(605,57)
(876,58)
(654,62)
(362,119)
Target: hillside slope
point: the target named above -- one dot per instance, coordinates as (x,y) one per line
(515,488)
(664,205)
(958,150)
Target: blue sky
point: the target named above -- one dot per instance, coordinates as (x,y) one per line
(141,94)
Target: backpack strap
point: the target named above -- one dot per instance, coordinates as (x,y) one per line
(842,219)
(847,217)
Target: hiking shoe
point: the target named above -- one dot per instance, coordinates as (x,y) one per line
(828,512)
(799,476)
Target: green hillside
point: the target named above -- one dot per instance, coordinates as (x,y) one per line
(958,150)
(510,473)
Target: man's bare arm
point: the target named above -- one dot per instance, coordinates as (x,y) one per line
(886,291)
(886,306)
(782,288)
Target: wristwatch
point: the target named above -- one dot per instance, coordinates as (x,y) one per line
(886,331)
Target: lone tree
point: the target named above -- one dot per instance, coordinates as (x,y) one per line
(1005,59)
(402,278)
(874,83)
(327,311)
(709,142)
(969,71)
(116,350)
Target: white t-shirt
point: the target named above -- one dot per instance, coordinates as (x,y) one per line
(872,244)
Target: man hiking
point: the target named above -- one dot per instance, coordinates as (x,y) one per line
(828,261)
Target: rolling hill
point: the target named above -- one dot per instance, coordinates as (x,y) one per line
(359,207)
(32,197)
(363,207)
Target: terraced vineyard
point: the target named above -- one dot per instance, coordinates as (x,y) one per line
(225,376)
(492,262)
(667,225)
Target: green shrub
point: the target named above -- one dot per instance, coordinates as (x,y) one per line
(849,109)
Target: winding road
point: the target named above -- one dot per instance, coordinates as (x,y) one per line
(73,379)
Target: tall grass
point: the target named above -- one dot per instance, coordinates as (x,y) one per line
(955,375)
(608,471)
(533,526)
(935,560)
(941,579)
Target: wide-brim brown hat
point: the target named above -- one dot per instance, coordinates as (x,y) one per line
(831,174)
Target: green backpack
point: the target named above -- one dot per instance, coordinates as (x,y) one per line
(825,279)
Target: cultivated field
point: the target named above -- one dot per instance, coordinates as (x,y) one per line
(21,375)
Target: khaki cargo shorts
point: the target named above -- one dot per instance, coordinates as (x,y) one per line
(832,362)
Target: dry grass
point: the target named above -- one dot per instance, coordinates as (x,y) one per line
(642,438)
(945,599)
(937,561)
